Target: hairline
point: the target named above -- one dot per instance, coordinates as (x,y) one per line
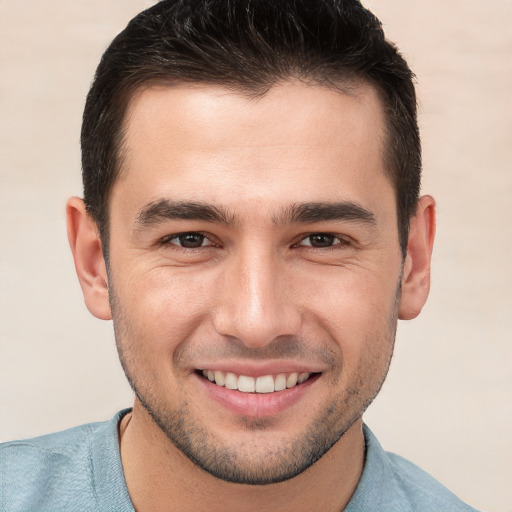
(349,84)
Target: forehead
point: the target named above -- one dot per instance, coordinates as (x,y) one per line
(209,143)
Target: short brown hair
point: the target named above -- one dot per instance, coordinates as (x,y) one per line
(249,45)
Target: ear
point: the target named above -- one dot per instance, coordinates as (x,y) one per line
(416,272)
(85,244)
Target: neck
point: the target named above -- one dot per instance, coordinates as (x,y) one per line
(159,477)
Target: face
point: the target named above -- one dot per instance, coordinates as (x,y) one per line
(254,271)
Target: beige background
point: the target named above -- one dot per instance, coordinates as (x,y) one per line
(447,403)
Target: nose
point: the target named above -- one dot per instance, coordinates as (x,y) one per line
(256,303)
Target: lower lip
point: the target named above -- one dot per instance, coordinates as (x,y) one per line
(257,405)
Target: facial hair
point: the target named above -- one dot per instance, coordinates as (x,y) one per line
(234,462)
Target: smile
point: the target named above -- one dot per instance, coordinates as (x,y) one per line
(262,384)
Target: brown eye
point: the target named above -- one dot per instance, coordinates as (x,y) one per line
(320,240)
(189,240)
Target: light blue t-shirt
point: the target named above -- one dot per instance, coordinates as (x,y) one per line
(79,470)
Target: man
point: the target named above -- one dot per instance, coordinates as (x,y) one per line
(252,224)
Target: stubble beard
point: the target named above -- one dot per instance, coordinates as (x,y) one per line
(236,463)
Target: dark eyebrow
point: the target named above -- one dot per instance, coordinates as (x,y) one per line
(308,213)
(165,209)
(320,212)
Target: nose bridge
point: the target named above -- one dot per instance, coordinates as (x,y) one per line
(255,304)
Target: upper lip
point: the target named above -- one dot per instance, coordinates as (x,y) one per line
(256,370)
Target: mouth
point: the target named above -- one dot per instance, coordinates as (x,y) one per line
(263,384)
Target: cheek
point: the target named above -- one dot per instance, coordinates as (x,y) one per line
(357,311)
(151,320)
(159,309)
(358,298)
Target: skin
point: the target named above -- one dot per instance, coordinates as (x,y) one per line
(256,297)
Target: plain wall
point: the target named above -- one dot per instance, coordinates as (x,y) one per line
(447,404)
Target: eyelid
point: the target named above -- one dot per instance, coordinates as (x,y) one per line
(168,240)
(342,240)
(339,240)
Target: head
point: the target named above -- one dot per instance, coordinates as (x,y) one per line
(252,169)
(250,46)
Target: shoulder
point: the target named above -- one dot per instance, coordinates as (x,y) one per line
(56,471)
(390,483)
(37,472)
(421,490)
(56,446)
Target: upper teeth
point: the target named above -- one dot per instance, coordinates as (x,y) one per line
(263,384)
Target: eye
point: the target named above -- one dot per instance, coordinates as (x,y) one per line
(322,240)
(191,240)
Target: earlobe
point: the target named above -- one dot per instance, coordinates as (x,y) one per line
(416,270)
(90,266)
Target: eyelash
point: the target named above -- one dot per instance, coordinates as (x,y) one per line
(168,240)
(341,241)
